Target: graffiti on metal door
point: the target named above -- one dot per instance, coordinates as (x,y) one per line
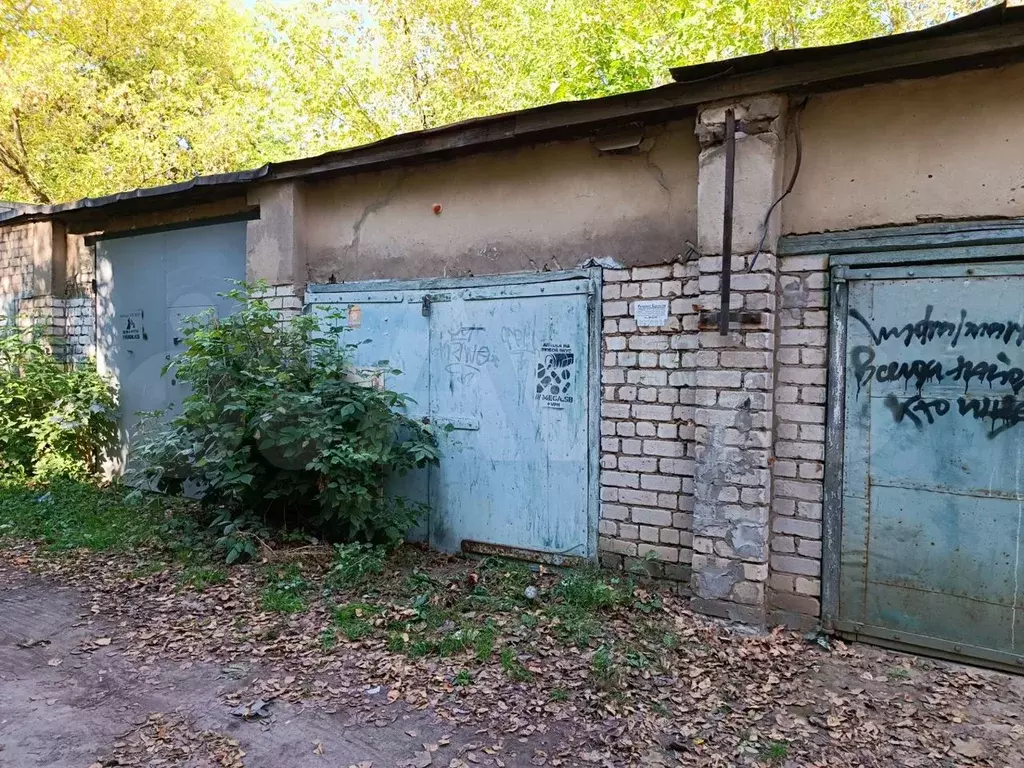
(916,372)
(466,353)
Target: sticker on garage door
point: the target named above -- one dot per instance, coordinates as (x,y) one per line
(555,376)
(131,325)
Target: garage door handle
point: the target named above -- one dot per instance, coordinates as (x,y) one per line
(457,422)
(453,422)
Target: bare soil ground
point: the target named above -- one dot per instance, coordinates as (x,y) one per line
(65,707)
(110,661)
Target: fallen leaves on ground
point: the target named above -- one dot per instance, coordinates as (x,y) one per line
(658,685)
(173,740)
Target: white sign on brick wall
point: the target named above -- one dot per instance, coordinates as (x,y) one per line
(650,313)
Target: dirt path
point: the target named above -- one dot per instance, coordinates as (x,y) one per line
(106,662)
(61,707)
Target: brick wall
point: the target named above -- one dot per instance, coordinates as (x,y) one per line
(65,312)
(647,428)
(44,313)
(286,299)
(80,328)
(801,366)
(16,267)
(712,447)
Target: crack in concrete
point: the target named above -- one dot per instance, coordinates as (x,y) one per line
(374,207)
(656,171)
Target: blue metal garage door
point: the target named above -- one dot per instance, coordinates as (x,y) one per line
(509,363)
(933,458)
(145,285)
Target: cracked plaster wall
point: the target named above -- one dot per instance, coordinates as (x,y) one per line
(550,206)
(897,153)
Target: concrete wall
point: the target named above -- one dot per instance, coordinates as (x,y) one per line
(903,152)
(546,207)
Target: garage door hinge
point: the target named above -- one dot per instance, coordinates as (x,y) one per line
(425,306)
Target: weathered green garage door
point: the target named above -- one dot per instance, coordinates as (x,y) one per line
(933,457)
(146,284)
(509,365)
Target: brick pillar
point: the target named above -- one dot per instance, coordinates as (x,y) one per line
(734,380)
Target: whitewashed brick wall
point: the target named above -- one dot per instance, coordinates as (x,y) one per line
(80,328)
(648,379)
(795,582)
(734,438)
(286,299)
(69,324)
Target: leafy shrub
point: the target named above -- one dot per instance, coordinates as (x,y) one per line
(56,419)
(237,535)
(353,562)
(279,422)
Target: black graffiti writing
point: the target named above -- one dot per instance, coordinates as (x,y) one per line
(1006,411)
(1003,412)
(927,329)
(911,407)
(988,373)
(922,372)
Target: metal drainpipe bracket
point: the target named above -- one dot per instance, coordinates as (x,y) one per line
(748,320)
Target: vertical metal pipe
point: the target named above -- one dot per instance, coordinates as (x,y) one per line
(730,177)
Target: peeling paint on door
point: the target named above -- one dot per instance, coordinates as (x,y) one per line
(506,368)
(934,448)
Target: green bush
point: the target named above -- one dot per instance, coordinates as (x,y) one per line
(56,419)
(280,423)
(352,563)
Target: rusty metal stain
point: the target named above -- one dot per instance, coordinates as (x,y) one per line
(520,553)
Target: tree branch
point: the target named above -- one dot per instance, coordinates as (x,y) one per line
(16,162)
(378,131)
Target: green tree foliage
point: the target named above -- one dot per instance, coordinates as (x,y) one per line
(278,423)
(101,95)
(56,419)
